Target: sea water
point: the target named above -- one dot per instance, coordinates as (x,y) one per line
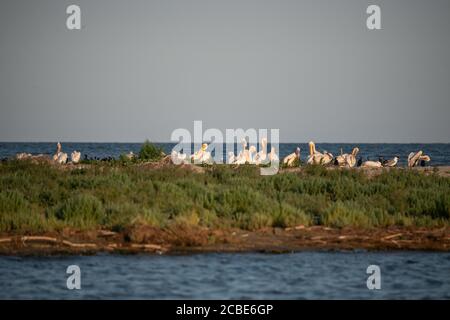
(303,275)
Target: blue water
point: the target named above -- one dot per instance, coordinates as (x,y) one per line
(306,275)
(439,153)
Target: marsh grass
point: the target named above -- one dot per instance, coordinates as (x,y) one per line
(39,198)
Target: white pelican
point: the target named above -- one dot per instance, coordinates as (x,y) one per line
(75,156)
(315,157)
(415,159)
(424,159)
(202,156)
(178,157)
(347,159)
(252,154)
(58,151)
(245,152)
(290,159)
(371,164)
(240,159)
(60,157)
(261,156)
(231,157)
(130,155)
(22,156)
(390,163)
(418,158)
(273,157)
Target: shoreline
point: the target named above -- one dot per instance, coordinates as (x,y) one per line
(198,240)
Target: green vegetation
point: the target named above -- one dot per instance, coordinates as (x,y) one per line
(150,152)
(42,197)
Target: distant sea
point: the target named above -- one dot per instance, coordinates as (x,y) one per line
(439,152)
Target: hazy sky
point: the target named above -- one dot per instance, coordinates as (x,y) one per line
(141,68)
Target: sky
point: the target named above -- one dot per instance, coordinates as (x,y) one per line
(140,69)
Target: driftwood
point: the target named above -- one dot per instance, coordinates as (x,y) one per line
(38,238)
(106,233)
(79,245)
(392,236)
(147,246)
(56,241)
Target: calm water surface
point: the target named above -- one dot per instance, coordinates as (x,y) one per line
(306,275)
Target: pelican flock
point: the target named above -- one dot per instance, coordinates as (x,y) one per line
(251,155)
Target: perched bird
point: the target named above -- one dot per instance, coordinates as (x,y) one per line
(371,164)
(59,156)
(231,157)
(289,160)
(315,157)
(130,155)
(202,156)
(75,156)
(273,157)
(390,163)
(245,151)
(261,156)
(62,158)
(22,156)
(418,158)
(240,159)
(252,154)
(178,157)
(359,163)
(347,160)
(58,151)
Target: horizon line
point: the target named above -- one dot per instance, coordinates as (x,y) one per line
(162,142)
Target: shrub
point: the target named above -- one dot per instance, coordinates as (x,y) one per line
(150,152)
(82,211)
